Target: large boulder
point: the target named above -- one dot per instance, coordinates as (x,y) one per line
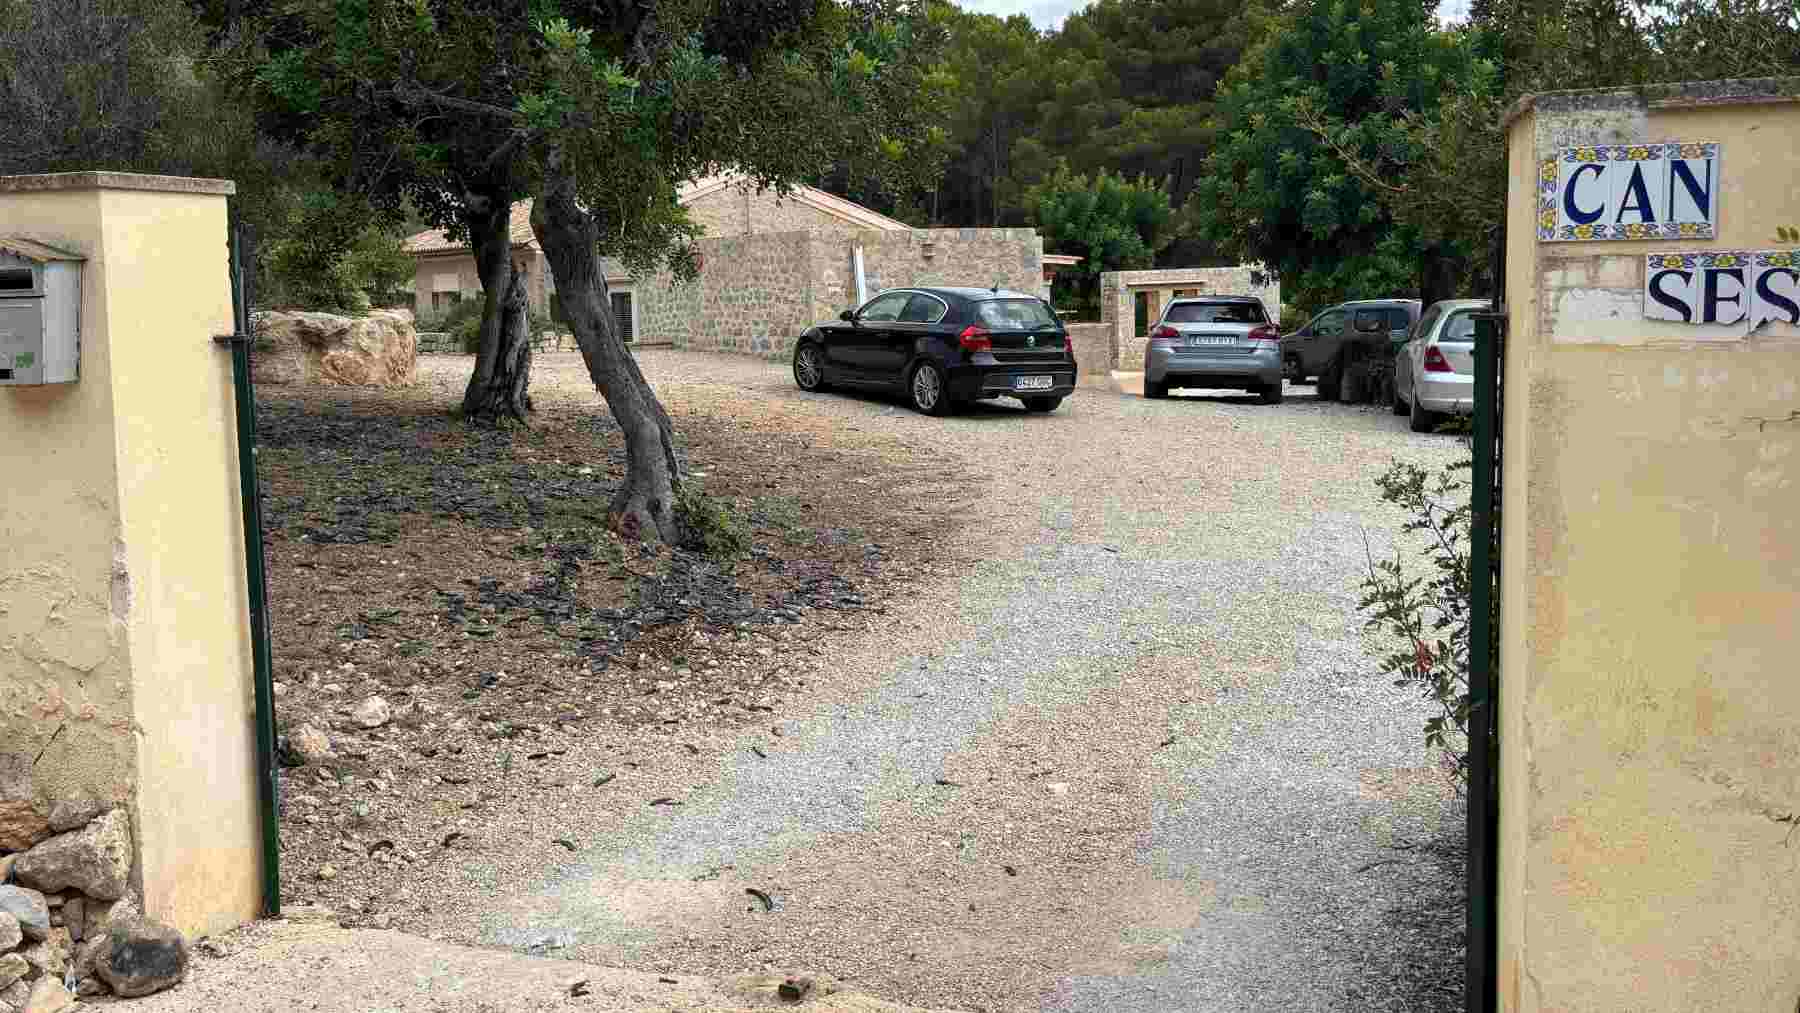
(378,349)
(95,860)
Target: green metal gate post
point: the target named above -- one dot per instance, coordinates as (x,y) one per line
(1479,992)
(256,570)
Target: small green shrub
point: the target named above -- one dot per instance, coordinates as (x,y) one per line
(463,323)
(1430,614)
(710,526)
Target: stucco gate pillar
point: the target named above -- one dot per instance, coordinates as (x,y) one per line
(125,666)
(1650,563)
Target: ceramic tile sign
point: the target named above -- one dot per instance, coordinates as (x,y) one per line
(1723,287)
(1667,190)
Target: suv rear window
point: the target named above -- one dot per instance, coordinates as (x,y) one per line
(1381,318)
(1216,313)
(1014,314)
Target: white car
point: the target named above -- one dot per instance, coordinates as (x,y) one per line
(1434,374)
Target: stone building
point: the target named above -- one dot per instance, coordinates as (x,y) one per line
(769,267)
(445,269)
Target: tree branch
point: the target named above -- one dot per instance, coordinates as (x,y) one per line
(1309,121)
(416,95)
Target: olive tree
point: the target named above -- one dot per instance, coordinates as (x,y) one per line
(599,110)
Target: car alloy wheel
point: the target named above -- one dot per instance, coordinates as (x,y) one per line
(808,372)
(928,389)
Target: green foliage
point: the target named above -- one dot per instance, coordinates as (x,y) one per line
(92,84)
(321,259)
(462,321)
(1325,75)
(1428,615)
(1125,87)
(1113,223)
(710,525)
(378,260)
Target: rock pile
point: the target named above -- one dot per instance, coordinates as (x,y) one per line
(69,923)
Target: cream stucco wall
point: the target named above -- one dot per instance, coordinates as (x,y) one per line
(125,644)
(65,687)
(1650,719)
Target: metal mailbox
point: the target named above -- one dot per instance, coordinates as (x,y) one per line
(40,312)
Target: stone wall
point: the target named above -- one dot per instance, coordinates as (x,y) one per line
(736,212)
(756,294)
(1094,352)
(68,913)
(979,258)
(1118,291)
(438,343)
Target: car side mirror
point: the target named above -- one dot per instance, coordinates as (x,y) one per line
(848,316)
(1368,326)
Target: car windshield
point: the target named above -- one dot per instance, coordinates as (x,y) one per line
(1014,314)
(1216,313)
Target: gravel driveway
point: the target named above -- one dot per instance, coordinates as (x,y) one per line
(1134,758)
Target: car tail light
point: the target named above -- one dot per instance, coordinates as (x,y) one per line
(1164,335)
(975,339)
(1435,361)
(1265,333)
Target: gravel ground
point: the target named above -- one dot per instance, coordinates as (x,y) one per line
(1131,756)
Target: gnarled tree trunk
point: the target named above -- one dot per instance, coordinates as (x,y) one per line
(644,506)
(500,384)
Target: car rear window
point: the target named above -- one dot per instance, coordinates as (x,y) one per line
(1216,313)
(1459,328)
(1014,314)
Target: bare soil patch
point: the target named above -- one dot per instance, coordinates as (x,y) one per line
(465,575)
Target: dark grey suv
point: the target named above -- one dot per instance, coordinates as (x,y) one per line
(1329,340)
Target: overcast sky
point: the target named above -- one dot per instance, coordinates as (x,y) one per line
(1049,14)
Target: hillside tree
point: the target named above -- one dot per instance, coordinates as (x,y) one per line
(598,110)
(1276,192)
(1112,223)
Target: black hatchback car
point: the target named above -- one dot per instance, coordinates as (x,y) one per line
(943,346)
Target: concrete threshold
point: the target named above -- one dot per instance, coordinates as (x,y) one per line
(306,961)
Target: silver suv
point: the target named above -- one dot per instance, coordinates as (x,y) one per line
(1220,341)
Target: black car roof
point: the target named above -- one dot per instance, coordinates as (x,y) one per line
(1215,298)
(965,294)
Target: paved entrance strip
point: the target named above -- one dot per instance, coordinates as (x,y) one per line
(1131,760)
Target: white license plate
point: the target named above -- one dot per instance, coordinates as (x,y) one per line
(1211,339)
(1032,383)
